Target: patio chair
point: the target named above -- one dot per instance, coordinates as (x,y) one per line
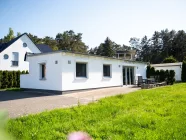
(141,80)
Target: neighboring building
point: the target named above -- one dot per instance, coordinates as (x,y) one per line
(65,71)
(126,54)
(12,53)
(177,67)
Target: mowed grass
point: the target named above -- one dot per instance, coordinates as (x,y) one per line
(146,114)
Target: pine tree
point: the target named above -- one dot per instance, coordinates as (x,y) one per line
(108,48)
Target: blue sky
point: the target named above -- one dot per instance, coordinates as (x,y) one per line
(96,19)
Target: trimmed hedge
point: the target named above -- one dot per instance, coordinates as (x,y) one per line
(168,75)
(150,71)
(183,74)
(10,79)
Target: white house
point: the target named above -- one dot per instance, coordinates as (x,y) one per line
(65,71)
(177,67)
(12,53)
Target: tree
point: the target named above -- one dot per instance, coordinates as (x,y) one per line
(170,59)
(144,54)
(70,41)
(108,48)
(35,39)
(9,36)
(179,45)
(18,34)
(50,42)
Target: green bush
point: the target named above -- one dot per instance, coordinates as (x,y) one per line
(18,78)
(171,77)
(162,75)
(148,71)
(183,74)
(169,59)
(5,82)
(10,79)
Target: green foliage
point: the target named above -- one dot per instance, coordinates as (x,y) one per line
(154,114)
(171,76)
(160,76)
(27,72)
(9,36)
(10,79)
(18,78)
(70,41)
(161,45)
(108,48)
(5,83)
(170,59)
(183,74)
(150,71)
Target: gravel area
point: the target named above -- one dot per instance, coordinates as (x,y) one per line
(19,103)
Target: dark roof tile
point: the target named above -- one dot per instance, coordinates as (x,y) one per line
(44,48)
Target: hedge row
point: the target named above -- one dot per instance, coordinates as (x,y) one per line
(183,74)
(10,79)
(160,76)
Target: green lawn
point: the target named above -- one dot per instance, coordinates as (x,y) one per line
(146,114)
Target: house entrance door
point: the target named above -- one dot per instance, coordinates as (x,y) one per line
(128,75)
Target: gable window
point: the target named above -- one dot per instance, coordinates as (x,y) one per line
(106,71)
(15,59)
(81,70)
(42,71)
(24,45)
(6,56)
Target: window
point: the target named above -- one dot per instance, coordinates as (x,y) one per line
(42,71)
(106,71)
(6,56)
(15,60)
(24,45)
(81,70)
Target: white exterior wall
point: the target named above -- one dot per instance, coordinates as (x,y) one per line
(62,76)
(53,73)
(94,78)
(17,46)
(177,70)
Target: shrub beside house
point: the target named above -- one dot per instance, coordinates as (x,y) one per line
(10,79)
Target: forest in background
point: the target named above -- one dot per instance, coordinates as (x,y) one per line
(155,49)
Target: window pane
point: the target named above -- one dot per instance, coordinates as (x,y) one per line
(43,71)
(81,70)
(106,70)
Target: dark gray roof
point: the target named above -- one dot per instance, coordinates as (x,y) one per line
(6,45)
(44,48)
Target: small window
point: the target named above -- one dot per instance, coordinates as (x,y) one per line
(43,71)
(15,58)
(24,45)
(106,71)
(81,70)
(6,56)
